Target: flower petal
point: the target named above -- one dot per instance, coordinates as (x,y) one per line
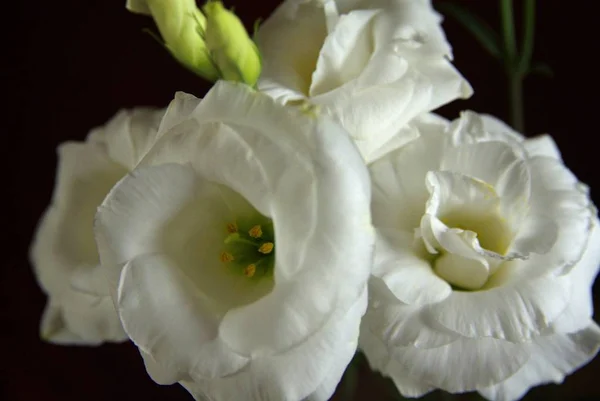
(542,145)
(64,239)
(345,52)
(514,312)
(129,135)
(295,373)
(290,41)
(557,194)
(170,320)
(464,365)
(581,307)
(379,360)
(399,198)
(552,358)
(398,324)
(408,276)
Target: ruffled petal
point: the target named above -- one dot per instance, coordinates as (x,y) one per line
(515,312)
(378,356)
(129,135)
(398,324)
(296,373)
(290,41)
(169,319)
(552,358)
(345,52)
(408,276)
(464,365)
(581,307)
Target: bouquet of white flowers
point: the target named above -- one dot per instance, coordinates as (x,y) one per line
(312,205)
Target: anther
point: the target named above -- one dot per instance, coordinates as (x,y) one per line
(266,248)
(250,270)
(255,232)
(226,257)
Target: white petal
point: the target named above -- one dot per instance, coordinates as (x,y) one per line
(178,111)
(54,330)
(376,105)
(581,307)
(399,198)
(129,135)
(557,194)
(168,209)
(462,272)
(542,145)
(465,364)
(74,318)
(295,373)
(463,216)
(290,41)
(270,165)
(514,312)
(345,52)
(398,324)
(552,358)
(473,127)
(408,276)
(378,356)
(65,237)
(168,318)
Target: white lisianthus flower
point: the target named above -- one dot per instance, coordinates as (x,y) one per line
(238,251)
(371,64)
(63,253)
(487,247)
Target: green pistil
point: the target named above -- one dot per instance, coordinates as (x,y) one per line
(250,247)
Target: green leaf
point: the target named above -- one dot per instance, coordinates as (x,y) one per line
(541,69)
(480,29)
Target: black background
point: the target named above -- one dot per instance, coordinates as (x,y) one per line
(69,65)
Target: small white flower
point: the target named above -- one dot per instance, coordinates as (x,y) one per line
(63,253)
(372,65)
(487,247)
(238,251)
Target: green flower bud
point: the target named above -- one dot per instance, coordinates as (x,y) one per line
(233,52)
(181,25)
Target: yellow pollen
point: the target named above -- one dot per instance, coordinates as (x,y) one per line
(226,257)
(255,232)
(266,248)
(250,270)
(231,228)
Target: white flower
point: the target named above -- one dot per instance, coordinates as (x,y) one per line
(487,247)
(63,253)
(372,64)
(239,249)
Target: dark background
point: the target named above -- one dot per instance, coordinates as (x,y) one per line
(70,65)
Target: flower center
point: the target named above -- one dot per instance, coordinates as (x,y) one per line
(250,247)
(492,230)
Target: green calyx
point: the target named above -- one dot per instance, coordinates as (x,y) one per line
(249,247)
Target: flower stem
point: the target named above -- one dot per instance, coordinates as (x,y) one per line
(528,36)
(508,30)
(512,65)
(515,90)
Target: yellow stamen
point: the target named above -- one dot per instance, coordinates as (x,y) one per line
(226,257)
(231,228)
(250,270)
(255,232)
(266,248)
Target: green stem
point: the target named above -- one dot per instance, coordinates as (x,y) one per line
(508,30)
(511,65)
(515,88)
(528,36)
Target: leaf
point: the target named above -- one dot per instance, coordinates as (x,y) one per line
(480,29)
